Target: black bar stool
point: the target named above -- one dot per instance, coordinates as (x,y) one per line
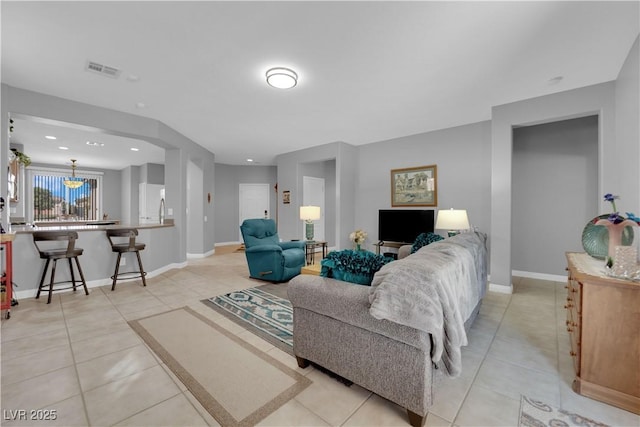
(56,253)
(119,246)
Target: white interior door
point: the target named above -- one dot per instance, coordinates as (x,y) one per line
(313,195)
(254,202)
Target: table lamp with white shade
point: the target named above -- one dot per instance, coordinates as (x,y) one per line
(309,214)
(452,220)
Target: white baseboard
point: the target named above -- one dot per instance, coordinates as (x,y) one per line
(228,243)
(541,276)
(31,293)
(204,255)
(502,289)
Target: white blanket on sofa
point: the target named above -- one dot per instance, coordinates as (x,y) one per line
(433,290)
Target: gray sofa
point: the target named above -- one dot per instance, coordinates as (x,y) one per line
(334,327)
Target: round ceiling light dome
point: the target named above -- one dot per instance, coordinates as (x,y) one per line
(282,78)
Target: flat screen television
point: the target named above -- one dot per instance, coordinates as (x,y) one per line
(403,225)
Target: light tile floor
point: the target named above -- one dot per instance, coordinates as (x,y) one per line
(79,357)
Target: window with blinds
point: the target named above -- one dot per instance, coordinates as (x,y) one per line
(51,200)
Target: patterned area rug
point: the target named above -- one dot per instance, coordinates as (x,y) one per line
(534,413)
(265,314)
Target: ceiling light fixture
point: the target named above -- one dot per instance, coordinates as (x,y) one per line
(63,148)
(50,137)
(281,78)
(73,182)
(134,149)
(95,144)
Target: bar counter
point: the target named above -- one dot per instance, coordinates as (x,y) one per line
(97,261)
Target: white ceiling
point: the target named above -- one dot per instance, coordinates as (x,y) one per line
(106,151)
(369,71)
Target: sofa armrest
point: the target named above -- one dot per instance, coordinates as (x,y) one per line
(348,303)
(404,251)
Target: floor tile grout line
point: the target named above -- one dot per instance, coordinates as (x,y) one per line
(475,377)
(528,368)
(75,366)
(184,393)
(358,408)
(147,408)
(318,415)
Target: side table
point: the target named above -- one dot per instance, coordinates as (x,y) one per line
(310,250)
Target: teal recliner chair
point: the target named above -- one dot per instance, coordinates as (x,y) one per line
(268,258)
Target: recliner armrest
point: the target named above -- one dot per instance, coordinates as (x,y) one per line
(299,244)
(263,248)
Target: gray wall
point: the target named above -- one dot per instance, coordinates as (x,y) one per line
(627,91)
(587,101)
(290,173)
(326,170)
(195,204)
(617,106)
(129,210)
(462,156)
(111,197)
(226,198)
(555,169)
(152,173)
(330,201)
(179,150)
(474,163)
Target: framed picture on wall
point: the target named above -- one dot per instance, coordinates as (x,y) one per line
(286,197)
(414,186)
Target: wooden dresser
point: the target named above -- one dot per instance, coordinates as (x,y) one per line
(603,320)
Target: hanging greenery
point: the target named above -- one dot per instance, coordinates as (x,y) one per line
(22,158)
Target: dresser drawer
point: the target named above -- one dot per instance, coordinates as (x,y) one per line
(573,306)
(602,323)
(574,291)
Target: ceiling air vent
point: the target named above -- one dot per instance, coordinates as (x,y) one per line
(105,70)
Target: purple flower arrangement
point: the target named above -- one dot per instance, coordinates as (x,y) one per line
(615,217)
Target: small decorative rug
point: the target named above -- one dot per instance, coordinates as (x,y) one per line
(264,313)
(534,413)
(235,382)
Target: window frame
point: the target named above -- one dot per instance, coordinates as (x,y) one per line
(32,171)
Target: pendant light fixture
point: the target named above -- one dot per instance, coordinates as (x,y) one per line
(73,182)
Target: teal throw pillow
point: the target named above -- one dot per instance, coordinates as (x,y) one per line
(353,266)
(424,239)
